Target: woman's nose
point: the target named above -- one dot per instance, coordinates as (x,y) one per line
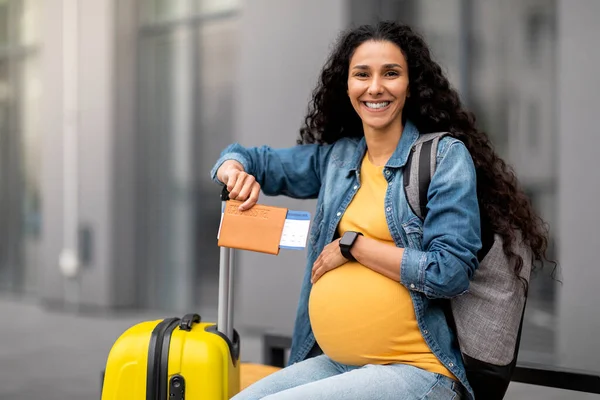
(375,87)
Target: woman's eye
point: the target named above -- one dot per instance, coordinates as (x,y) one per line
(391,73)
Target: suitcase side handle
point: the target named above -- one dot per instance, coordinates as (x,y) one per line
(188,320)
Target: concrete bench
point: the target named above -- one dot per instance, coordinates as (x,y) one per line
(250,373)
(275,348)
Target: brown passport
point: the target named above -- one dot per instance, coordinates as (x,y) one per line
(257,229)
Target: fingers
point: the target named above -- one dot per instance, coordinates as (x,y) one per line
(315,267)
(243,187)
(314,278)
(235,182)
(246,188)
(316,274)
(319,268)
(253,198)
(329,259)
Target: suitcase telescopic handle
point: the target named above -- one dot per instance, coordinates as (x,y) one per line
(224,194)
(225,305)
(188,320)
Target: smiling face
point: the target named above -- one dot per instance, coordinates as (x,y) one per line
(378,85)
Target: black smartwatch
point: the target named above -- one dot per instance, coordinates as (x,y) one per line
(346,243)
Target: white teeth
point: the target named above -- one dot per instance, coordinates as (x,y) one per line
(377,105)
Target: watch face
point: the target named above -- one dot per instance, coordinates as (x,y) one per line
(348,239)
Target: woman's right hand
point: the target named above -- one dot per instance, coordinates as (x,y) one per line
(241,185)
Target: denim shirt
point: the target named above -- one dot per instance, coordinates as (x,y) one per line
(440,253)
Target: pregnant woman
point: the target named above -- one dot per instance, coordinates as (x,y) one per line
(370,322)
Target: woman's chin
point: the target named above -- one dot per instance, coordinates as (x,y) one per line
(381,122)
(377,126)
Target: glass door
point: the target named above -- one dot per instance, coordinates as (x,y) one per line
(187,53)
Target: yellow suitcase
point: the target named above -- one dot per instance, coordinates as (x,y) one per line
(172,359)
(178,359)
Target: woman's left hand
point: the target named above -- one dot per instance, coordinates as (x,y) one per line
(330,258)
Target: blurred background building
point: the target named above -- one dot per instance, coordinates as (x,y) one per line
(113,111)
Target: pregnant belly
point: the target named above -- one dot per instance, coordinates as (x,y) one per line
(360,317)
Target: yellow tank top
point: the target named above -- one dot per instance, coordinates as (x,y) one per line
(359,316)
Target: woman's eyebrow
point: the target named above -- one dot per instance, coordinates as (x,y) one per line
(385,66)
(390,66)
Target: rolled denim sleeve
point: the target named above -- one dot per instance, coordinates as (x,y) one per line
(295,172)
(451,230)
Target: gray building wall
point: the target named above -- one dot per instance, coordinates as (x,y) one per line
(279,64)
(95,132)
(579,183)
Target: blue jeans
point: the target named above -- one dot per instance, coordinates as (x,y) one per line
(321,378)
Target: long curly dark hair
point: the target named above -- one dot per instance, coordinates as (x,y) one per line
(434,106)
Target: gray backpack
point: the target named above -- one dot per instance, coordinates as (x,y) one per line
(489,317)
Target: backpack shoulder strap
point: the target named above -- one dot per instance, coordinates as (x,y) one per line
(419,170)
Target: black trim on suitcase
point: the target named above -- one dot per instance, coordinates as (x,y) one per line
(163,369)
(234,348)
(156,377)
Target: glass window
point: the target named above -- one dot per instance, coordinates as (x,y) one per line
(157,189)
(156,11)
(185,108)
(4,22)
(20,91)
(29,76)
(8,228)
(165,11)
(28,26)
(215,6)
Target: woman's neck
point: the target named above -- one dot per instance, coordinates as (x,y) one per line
(381,144)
